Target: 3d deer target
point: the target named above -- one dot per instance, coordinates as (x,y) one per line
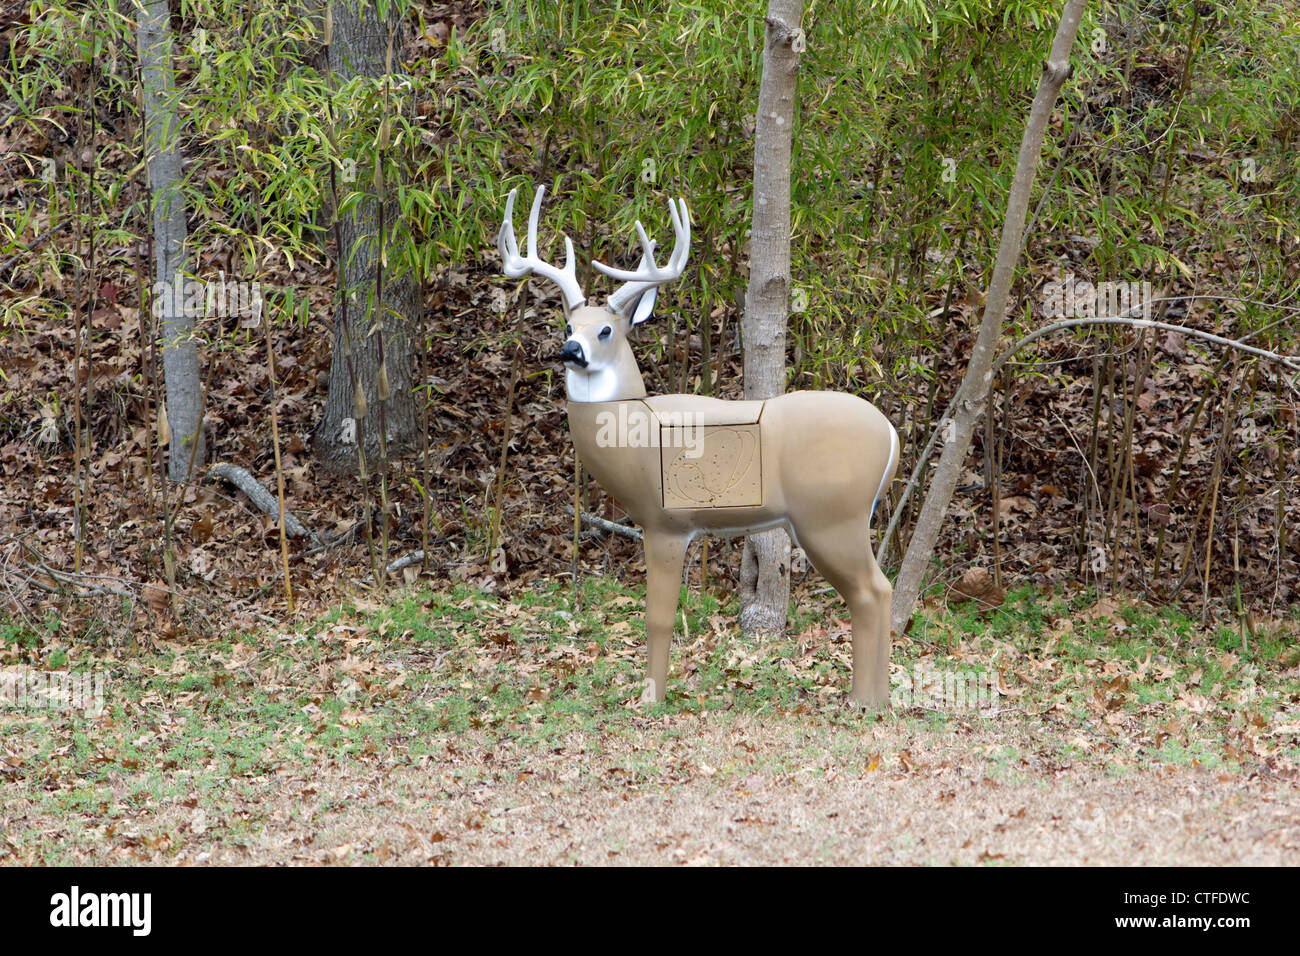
(814,463)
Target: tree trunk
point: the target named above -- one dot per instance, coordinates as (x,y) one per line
(765,567)
(359,48)
(180,351)
(973,393)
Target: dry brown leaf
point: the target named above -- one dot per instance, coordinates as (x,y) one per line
(977,585)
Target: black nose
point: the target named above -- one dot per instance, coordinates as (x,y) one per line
(572,352)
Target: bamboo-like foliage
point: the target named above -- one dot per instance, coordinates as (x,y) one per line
(905,132)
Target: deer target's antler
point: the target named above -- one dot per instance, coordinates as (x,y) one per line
(514,265)
(648,275)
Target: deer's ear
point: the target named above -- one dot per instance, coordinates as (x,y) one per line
(645,306)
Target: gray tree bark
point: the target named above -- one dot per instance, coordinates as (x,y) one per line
(359,48)
(180,350)
(973,392)
(765,566)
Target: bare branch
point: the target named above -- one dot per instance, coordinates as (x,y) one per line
(261,497)
(1287,361)
(604,524)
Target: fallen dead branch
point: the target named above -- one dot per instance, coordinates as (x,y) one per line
(604,524)
(330,542)
(36,571)
(258,494)
(86,584)
(405,561)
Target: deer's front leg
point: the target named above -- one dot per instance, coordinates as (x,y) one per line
(664,557)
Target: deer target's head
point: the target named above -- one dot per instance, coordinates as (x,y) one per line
(598,361)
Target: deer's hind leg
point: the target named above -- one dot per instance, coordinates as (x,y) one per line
(843,555)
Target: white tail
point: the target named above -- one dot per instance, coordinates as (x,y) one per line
(814,463)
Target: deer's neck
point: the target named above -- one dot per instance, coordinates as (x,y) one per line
(612,384)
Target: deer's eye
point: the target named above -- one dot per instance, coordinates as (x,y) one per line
(606,332)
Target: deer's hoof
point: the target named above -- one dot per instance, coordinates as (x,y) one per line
(650,692)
